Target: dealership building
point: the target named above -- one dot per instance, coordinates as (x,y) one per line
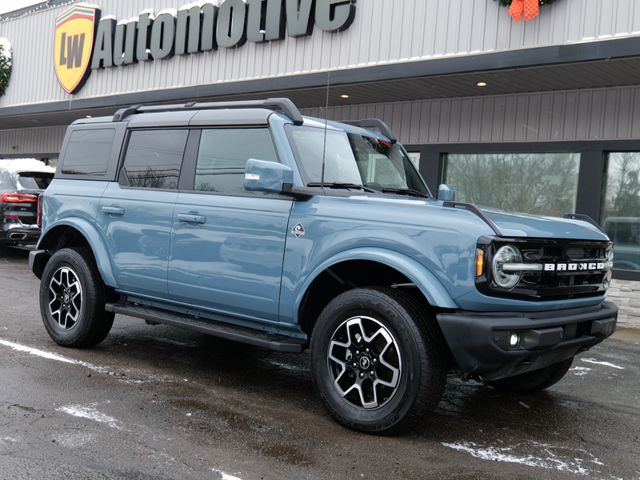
(539,115)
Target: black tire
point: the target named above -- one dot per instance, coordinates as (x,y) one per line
(73,320)
(420,356)
(534,381)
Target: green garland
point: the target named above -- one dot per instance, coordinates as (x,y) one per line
(5,69)
(507,3)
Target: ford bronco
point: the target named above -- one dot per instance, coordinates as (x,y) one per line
(248,221)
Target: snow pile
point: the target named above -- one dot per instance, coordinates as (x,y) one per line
(19,165)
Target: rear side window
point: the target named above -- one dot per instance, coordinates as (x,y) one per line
(223,154)
(154,159)
(88,152)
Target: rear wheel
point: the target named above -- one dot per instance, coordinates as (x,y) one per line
(534,381)
(378,361)
(72,299)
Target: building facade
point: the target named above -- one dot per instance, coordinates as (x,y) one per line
(540,116)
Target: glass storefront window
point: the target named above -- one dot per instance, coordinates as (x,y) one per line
(621,209)
(537,183)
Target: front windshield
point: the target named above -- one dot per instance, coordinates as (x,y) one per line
(353,159)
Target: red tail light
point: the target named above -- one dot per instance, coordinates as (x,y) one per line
(18,198)
(39,214)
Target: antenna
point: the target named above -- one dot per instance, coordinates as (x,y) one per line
(326,124)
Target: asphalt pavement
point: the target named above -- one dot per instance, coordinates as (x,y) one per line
(153,402)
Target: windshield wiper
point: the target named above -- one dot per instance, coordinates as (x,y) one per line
(405,191)
(345,186)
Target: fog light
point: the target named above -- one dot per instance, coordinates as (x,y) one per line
(514,340)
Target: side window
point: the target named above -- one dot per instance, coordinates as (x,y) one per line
(154,159)
(88,152)
(223,154)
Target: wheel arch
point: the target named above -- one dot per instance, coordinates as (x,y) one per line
(392,265)
(79,233)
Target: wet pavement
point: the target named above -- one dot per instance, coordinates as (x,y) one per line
(153,402)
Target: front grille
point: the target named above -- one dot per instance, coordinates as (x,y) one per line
(553,285)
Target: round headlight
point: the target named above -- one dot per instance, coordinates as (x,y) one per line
(505,255)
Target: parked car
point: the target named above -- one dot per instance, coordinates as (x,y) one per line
(248,221)
(21,182)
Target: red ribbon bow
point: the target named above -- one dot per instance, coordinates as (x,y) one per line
(530,9)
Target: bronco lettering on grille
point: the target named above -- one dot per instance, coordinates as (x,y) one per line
(574,267)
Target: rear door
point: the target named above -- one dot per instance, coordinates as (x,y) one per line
(228,243)
(136,213)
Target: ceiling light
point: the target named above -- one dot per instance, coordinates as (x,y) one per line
(481,84)
(345,96)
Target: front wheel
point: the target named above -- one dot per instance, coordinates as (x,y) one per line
(534,381)
(378,360)
(72,299)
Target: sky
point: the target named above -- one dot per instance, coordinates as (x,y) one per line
(10,5)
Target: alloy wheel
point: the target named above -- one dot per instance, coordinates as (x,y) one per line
(364,362)
(65,298)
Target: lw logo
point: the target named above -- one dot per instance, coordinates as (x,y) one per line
(75,33)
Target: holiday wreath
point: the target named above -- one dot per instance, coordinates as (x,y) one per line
(5,65)
(529,8)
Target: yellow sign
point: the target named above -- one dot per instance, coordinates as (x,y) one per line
(75,33)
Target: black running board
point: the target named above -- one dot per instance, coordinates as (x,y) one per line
(278,343)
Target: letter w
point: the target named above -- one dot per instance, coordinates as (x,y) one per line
(75,46)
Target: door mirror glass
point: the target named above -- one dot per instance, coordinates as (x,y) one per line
(264,176)
(446,193)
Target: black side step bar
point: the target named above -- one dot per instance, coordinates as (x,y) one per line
(278,343)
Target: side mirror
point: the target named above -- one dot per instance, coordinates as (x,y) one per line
(446,193)
(264,176)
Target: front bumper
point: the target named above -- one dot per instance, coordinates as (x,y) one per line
(479,342)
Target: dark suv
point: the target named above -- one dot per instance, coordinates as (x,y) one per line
(248,221)
(21,182)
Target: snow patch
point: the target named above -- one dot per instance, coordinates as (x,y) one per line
(580,371)
(224,475)
(606,364)
(90,413)
(547,459)
(5,43)
(169,11)
(18,165)
(51,356)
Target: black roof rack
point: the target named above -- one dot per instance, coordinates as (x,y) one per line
(374,124)
(283,105)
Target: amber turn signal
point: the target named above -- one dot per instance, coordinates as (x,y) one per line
(479,262)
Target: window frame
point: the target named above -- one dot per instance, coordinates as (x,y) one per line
(591,176)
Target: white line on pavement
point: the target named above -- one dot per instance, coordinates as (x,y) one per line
(51,356)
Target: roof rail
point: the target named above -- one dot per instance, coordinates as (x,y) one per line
(283,105)
(374,124)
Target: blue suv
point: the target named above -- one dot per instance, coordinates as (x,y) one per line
(248,221)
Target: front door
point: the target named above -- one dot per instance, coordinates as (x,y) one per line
(228,243)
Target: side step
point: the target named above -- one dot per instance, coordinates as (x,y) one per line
(278,343)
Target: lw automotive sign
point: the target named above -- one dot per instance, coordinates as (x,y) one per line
(75,32)
(199,27)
